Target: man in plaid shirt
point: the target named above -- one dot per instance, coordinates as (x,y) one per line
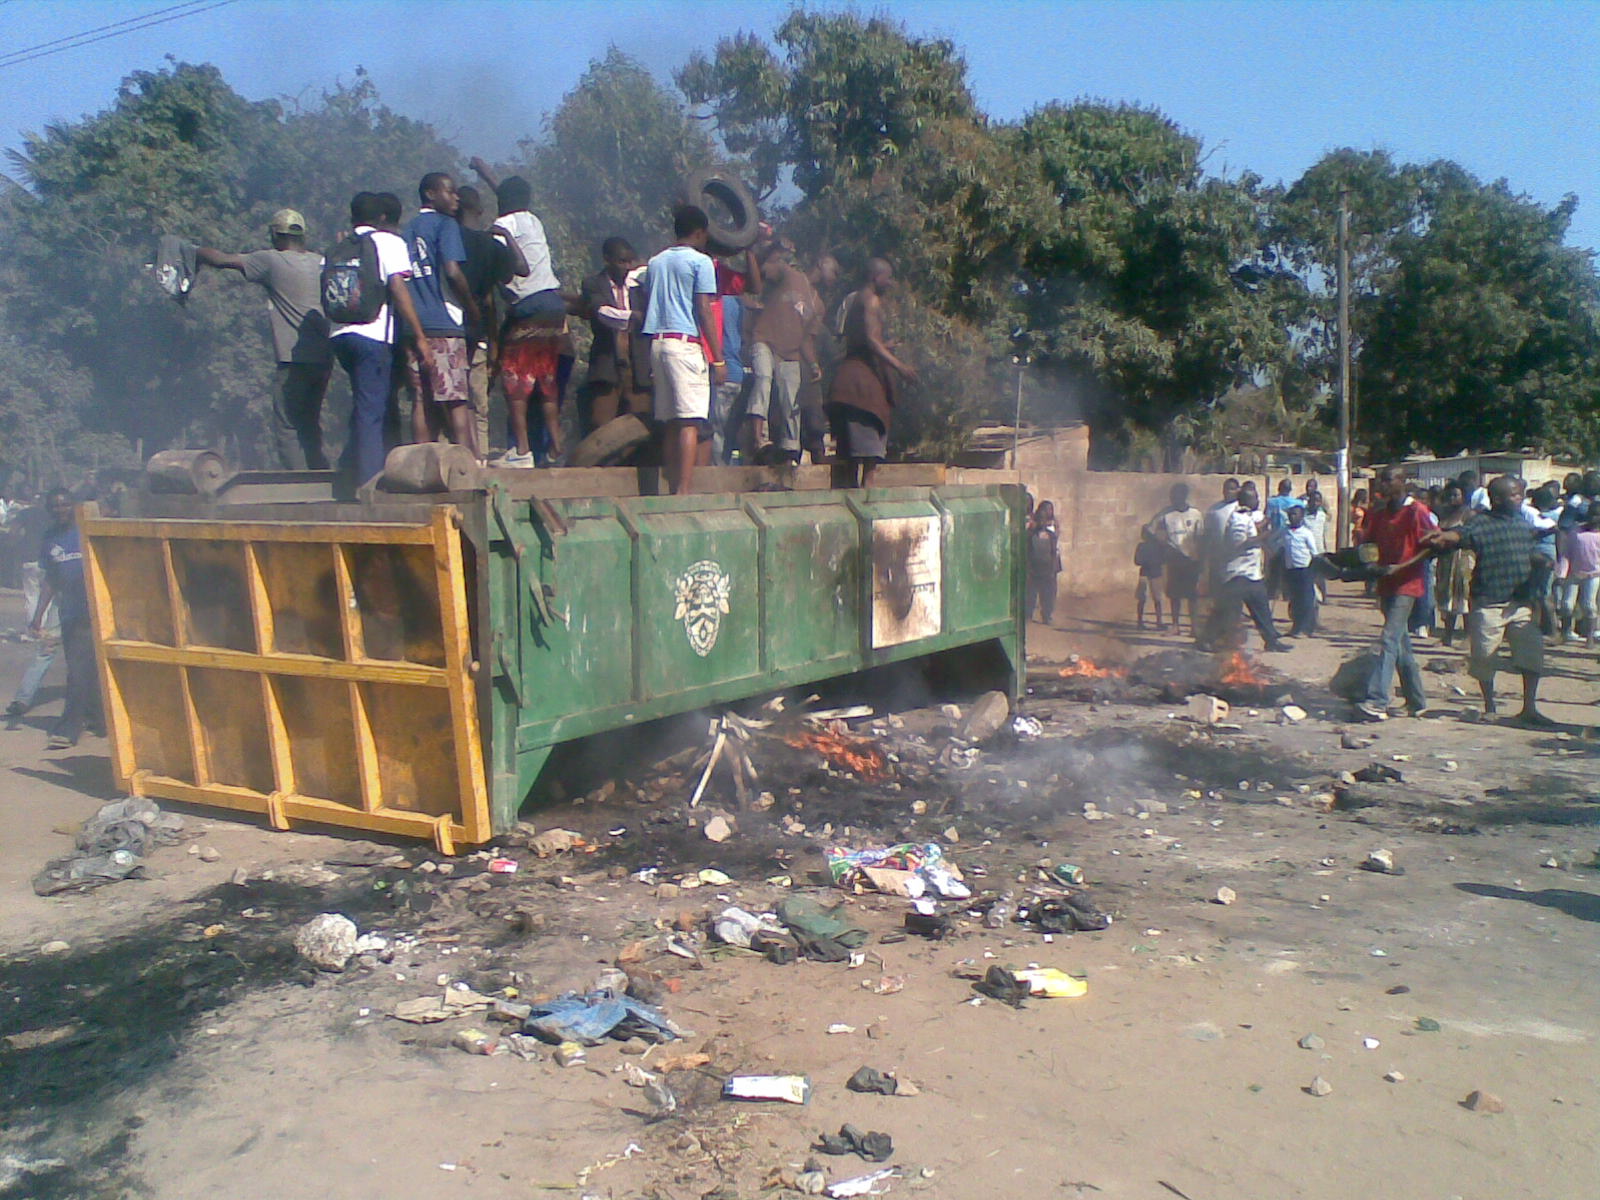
(1501,606)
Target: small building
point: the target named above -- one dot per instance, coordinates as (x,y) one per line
(1533,469)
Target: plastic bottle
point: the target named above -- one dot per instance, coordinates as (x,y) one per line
(1000,911)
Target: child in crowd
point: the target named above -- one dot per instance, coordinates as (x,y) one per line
(1299,546)
(1149,557)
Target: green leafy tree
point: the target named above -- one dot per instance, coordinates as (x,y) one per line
(1485,333)
(180,152)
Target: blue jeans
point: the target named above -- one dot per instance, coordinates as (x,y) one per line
(1394,654)
(370,365)
(43,659)
(1301,584)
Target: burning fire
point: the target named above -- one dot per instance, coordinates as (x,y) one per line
(843,751)
(1086,668)
(1238,671)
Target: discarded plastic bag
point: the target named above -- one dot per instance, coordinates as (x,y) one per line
(111,846)
(589,1019)
(1051,983)
(848,868)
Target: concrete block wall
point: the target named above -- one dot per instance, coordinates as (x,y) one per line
(1101,512)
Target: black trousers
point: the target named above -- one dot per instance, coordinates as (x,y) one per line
(83,686)
(1251,594)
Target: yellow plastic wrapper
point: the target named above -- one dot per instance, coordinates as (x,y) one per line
(1052,983)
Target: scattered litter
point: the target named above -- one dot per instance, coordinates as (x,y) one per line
(848,869)
(328,941)
(840,1027)
(1074,912)
(660,1098)
(1370,1043)
(869,1080)
(1026,729)
(452,1002)
(590,1018)
(711,877)
(736,927)
(1067,873)
(790,1089)
(1393,1077)
(110,847)
(863,1185)
(55,947)
(1379,773)
(1051,983)
(503,866)
(821,934)
(682,1062)
(556,841)
(1207,710)
(474,1041)
(869,1144)
(1381,862)
(636,1076)
(1484,1102)
(569,1054)
(885,985)
(1292,714)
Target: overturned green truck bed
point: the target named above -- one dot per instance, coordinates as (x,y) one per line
(408,663)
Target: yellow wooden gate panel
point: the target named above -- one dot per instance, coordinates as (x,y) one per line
(308,671)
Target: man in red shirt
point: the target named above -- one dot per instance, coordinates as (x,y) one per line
(1397,525)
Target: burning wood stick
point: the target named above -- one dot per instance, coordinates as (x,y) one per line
(711,763)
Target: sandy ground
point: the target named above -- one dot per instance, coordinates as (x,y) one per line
(186,1065)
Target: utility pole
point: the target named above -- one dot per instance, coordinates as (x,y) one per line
(1343,458)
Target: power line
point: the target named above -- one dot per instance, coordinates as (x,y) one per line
(115,29)
(10,54)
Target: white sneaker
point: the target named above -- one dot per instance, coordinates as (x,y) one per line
(512,459)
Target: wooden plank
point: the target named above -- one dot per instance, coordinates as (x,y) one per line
(304,808)
(199,747)
(260,603)
(103,622)
(366,751)
(450,575)
(355,647)
(370,532)
(179,610)
(277,664)
(277,737)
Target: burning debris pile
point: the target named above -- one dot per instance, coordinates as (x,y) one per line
(1167,676)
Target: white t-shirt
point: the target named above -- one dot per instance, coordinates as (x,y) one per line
(393,259)
(1179,528)
(1241,527)
(1317,522)
(527,231)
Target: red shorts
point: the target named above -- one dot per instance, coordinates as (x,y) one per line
(529,362)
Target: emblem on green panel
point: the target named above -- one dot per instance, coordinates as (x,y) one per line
(702,594)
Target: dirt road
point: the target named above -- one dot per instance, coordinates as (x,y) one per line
(178,1048)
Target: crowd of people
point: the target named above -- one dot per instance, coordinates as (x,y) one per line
(729,357)
(1503,566)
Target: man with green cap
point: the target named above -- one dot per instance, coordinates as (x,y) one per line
(292,277)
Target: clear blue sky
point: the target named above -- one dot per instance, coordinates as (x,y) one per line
(1507,89)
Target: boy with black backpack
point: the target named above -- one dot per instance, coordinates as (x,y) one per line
(363,286)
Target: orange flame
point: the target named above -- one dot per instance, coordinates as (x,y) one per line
(1239,671)
(1087,668)
(843,751)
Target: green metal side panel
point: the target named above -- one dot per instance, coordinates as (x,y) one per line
(696,599)
(977,560)
(584,655)
(810,579)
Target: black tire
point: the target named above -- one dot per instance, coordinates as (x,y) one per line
(729,191)
(612,444)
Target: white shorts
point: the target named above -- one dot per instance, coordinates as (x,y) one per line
(682,380)
(1512,624)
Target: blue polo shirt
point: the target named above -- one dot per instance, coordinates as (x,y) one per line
(61,558)
(434,240)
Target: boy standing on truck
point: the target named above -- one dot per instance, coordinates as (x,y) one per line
(681,285)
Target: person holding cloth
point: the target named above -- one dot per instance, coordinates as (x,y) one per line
(685,342)
(1399,526)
